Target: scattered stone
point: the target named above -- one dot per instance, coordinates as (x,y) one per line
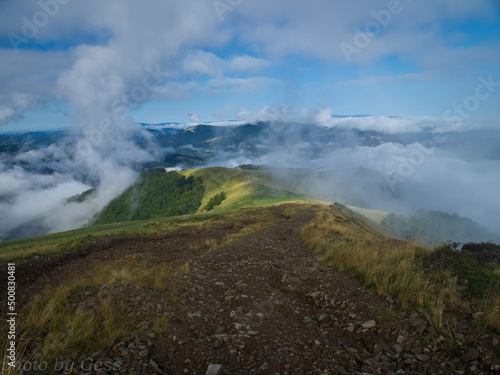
(470,355)
(274,358)
(315,294)
(398,348)
(155,366)
(261,326)
(108,342)
(322,317)
(214,370)
(423,357)
(369,324)
(417,351)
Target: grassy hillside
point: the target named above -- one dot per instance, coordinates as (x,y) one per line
(156,194)
(243,188)
(161,194)
(152,204)
(74,239)
(442,280)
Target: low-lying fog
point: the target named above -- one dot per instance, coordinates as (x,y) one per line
(400,165)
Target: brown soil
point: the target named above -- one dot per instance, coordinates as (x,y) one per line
(263,305)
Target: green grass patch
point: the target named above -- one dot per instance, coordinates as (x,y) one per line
(476,268)
(243,188)
(74,239)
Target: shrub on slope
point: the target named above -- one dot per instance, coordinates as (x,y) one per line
(215,201)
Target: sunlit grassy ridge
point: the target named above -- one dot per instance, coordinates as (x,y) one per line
(244,188)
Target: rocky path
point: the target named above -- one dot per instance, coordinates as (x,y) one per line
(262,305)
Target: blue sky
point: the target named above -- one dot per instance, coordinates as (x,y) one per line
(68,63)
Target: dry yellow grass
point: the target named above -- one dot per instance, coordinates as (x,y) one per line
(21,357)
(64,329)
(491,311)
(388,266)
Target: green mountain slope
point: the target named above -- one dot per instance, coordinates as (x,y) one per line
(153,205)
(243,188)
(156,194)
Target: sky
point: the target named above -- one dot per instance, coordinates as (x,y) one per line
(71,63)
(99,67)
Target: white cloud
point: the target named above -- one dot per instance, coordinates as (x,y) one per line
(193,117)
(206,63)
(110,44)
(389,125)
(106,48)
(239,84)
(293,28)
(247,63)
(6,113)
(202,63)
(274,114)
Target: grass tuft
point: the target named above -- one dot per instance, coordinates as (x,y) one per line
(441,280)
(388,266)
(67,324)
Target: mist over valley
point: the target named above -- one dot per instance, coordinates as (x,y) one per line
(364,161)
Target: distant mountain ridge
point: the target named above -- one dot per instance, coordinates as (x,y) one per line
(197,144)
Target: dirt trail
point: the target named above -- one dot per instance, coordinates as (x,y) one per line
(262,305)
